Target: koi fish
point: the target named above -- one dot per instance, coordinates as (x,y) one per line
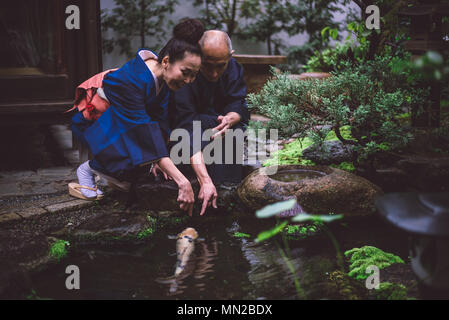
(184,248)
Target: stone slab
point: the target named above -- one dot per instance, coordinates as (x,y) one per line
(56,172)
(7,217)
(69,205)
(9,189)
(31,212)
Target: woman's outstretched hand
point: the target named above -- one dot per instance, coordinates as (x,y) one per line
(186,197)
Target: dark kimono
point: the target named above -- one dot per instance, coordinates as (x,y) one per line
(204,101)
(130,132)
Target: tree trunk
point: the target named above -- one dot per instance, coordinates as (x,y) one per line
(142,23)
(232,22)
(269,45)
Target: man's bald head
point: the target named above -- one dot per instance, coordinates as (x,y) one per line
(216,39)
(217,51)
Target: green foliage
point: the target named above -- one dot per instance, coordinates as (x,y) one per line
(352,51)
(303,231)
(136,19)
(265,235)
(367,98)
(317,22)
(431,67)
(241,235)
(222,15)
(391,291)
(362,258)
(58,249)
(265,20)
(272,210)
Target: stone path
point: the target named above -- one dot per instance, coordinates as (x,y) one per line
(27,194)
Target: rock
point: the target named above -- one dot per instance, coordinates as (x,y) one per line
(8,217)
(31,212)
(69,205)
(115,227)
(318,190)
(330,152)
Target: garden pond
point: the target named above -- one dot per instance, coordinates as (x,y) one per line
(227,263)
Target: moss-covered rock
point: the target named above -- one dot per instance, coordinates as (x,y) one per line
(327,190)
(391,291)
(113,227)
(341,286)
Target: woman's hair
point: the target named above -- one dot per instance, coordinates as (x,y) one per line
(186,36)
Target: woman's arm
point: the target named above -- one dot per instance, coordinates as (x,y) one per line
(185,195)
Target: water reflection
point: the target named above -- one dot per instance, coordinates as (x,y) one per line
(199,265)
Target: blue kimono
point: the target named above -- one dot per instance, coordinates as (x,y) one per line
(204,101)
(129,132)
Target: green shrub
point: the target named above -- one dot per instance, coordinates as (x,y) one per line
(367,98)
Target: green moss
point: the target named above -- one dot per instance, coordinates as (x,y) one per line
(345,132)
(362,258)
(391,291)
(298,232)
(145,233)
(343,287)
(58,249)
(241,235)
(148,231)
(347,166)
(292,152)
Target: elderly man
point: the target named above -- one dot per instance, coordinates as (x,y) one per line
(217,99)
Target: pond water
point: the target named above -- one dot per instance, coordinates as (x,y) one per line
(222,266)
(296,175)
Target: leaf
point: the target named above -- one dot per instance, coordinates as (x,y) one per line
(434,57)
(310,217)
(264,235)
(273,209)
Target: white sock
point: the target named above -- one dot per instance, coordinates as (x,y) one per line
(86,178)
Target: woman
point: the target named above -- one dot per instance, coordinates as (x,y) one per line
(130,133)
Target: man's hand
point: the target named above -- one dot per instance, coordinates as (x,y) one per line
(208,194)
(226,122)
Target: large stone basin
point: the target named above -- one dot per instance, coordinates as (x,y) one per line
(318,189)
